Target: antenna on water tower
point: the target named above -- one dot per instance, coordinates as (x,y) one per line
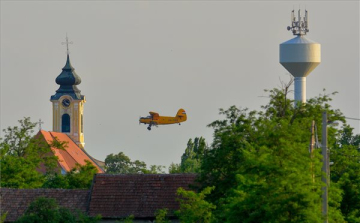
(300,55)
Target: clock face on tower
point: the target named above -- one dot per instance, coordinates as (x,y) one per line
(66,102)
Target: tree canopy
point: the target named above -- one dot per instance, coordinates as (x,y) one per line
(261,168)
(345,171)
(22,154)
(191,158)
(122,164)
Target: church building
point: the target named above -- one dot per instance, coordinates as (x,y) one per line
(68,121)
(68,105)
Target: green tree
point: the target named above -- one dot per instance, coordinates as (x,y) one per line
(194,207)
(122,164)
(191,158)
(80,177)
(129,219)
(56,180)
(194,152)
(345,171)
(118,163)
(3,217)
(22,154)
(155,169)
(175,168)
(161,216)
(18,139)
(46,210)
(259,162)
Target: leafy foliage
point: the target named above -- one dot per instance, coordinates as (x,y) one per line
(193,207)
(260,165)
(46,210)
(191,159)
(175,168)
(3,217)
(42,210)
(21,155)
(161,216)
(122,164)
(346,172)
(128,219)
(18,139)
(79,177)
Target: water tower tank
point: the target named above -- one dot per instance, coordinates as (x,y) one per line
(300,55)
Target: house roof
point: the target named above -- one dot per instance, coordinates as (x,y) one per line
(16,201)
(121,195)
(71,155)
(112,196)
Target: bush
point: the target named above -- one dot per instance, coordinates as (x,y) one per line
(46,210)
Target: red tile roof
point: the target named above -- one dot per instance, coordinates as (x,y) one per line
(72,153)
(16,201)
(121,195)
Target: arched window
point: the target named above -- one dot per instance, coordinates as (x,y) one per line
(65,123)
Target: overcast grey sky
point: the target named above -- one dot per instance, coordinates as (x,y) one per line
(139,56)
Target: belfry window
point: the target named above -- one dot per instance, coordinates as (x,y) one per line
(65,123)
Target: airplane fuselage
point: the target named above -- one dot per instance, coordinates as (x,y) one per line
(162,120)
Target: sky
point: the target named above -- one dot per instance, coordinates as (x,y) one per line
(139,56)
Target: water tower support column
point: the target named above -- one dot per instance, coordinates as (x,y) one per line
(300,89)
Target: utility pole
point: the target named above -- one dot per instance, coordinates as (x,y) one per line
(311,149)
(325,167)
(312,138)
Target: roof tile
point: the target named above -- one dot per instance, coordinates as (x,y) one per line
(72,153)
(16,201)
(118,196)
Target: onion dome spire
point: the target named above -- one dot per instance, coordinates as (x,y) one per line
(68,75)
(68,80)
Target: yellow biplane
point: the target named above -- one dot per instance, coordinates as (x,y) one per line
(154,119)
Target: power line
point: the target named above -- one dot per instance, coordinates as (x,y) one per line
(352,118)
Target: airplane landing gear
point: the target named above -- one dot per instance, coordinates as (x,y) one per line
(149,128)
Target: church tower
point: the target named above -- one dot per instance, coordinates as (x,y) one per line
(68,105)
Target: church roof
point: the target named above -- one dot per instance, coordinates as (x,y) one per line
(68,79)
(71,155)
(120,195)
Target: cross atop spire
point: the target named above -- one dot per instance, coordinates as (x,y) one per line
(67,44)
(40,122)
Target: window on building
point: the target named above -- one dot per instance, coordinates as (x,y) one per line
(65,123)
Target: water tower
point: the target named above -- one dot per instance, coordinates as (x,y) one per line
(300,55)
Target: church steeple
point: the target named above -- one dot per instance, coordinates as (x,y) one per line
(68,104)
(68,79)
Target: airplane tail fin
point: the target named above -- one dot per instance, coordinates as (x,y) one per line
(181,114)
